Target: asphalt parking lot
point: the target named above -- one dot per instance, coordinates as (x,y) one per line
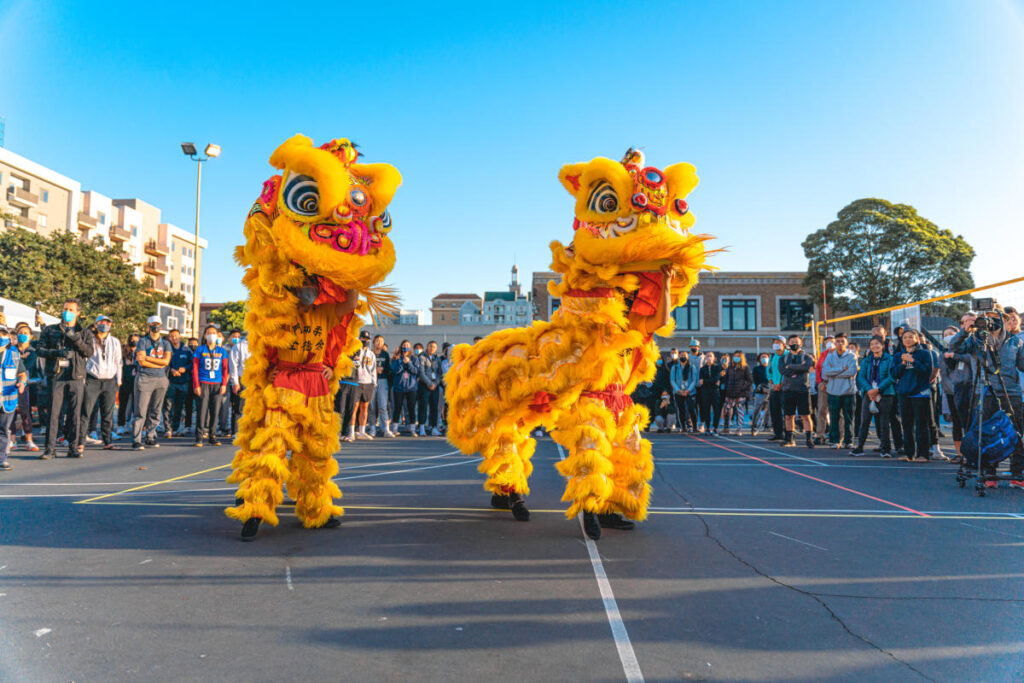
(757,563)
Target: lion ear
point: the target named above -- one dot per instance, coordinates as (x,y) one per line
(382,179)
(571,178)
(279,159)
(680,179)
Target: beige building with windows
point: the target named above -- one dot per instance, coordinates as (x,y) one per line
(45,202)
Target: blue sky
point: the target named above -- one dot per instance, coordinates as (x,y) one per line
(788,110)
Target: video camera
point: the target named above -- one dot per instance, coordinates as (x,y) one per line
(990,318)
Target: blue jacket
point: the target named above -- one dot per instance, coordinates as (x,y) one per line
(406,373)
(886,384)
(911,382)
(680,383)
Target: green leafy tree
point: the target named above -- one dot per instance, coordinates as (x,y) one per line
(52,269)
(229,316)
(878,254)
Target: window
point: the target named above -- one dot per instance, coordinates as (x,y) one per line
(46,195)
(794,314)
(135,231)
(172,246)
(739,314)
(688,316)
(42,221)
(103,218)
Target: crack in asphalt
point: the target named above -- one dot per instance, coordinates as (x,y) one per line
(813,596)
(916,597)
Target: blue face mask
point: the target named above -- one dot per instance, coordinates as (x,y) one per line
(4,341)
(23,338)
(68,316)
(418,351)
(737,358)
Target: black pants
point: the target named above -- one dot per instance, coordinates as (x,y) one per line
(190,408)
(961,409)
(917,428)
(237,406)
(686,412)
(174,404)
(124,399)
(710,409)
(896,426)
(407,400)
(775,408)
(1011,403)
(427,402)
(209,407)
(99,393)
(882,420)
(65,393)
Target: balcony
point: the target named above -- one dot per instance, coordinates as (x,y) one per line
(118,234)
(155,267)
(23,198)
(26,223)
(87,222)
(154,248)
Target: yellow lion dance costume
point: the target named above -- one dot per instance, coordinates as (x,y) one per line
(314,241)
(631,262)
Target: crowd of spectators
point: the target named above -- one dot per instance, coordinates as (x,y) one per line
(83,385)
(904,385)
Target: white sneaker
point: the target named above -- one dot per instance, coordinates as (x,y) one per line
(423,430)
(435,432)
(363,436)
(350,437)
(389,434)
(937,452)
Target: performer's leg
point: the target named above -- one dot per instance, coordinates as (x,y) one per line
(260,467)
(632,465)
(506,460)
(584,431)
(313,465)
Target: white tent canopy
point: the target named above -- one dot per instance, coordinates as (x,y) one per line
(16,312)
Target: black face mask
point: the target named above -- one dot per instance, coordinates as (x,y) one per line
(154,328)
(794,348)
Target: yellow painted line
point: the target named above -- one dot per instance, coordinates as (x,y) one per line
(155,483)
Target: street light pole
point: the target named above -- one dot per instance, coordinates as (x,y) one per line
(212,151)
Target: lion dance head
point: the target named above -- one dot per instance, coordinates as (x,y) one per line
(630,218)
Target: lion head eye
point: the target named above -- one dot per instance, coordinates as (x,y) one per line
(358,197)
(302,195)
(603,198)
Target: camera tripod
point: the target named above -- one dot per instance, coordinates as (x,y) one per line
(986,362)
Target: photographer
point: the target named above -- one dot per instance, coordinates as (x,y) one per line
(912,370)
(995,340)
(405,371)
(65,347)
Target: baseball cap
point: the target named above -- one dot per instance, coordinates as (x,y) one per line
(154,319)
(101,318)
(694,341)
(364,335)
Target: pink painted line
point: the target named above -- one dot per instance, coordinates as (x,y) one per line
(807,476)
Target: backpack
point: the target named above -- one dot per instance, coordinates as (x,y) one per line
(998,439)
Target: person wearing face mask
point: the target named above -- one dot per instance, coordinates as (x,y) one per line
(762,388)
(796,368)
(739,380)
(708,385)
(366,374)
(428,393)
(179,386)
(102,380)
(958,381)
(65,347)
(13,379)
(912,370)
(152,356)
(126,394)
(775,407)
(840,374)
(1007,344)
(696,357)
(191,401)
(406,371)
(29,397)
(819,393)
(380,408)
(209,384)
(683,382)
(875,382)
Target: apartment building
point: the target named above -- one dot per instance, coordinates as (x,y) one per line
(45,202)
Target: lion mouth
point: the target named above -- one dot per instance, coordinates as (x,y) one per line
(353,237)
(622,226)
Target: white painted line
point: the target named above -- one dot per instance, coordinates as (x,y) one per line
(630,665)
(769,450)
(411,469)
(42,632)
(288,577)
(397,462)
(797,540)
(145,562)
